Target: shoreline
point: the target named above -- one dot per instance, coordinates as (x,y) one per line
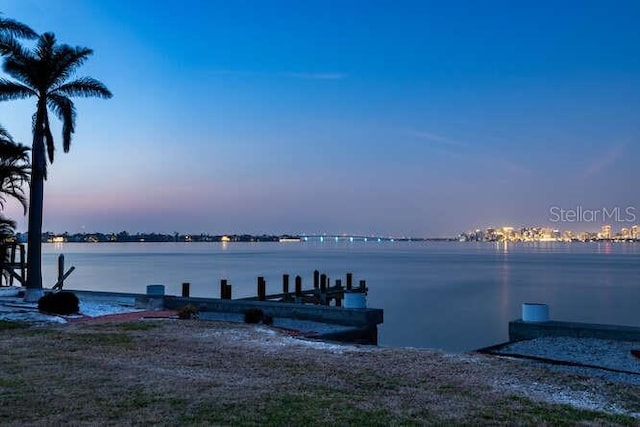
(194,372)
(582,388)
(608,359)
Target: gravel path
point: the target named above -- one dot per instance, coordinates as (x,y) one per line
(610,360)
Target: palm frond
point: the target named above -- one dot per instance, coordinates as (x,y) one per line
(67,60)
(22,70)
(13,187)
(8,44)
(16,29)
(45,46)
(84,87)
(48,137)
(5,136)
(64,108)
(14,171)
(12,90)
(12,151)
(7,228)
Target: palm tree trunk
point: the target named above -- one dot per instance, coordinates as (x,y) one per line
(36,198)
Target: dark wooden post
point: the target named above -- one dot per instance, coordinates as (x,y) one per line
(363,285)
(323,290)
(349,281)
(60,270)
(185,289)
(316,279)
(225,289)
(339,293)
(23,266)
(285,283)
(298,286)
(262,289)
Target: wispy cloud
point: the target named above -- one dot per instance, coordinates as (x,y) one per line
(287,74)
(604,161)
(432,137)
(237,73)
(465,150)
(315,76)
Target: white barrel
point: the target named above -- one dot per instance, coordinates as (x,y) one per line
(155,290)
(535,312)
(355,300)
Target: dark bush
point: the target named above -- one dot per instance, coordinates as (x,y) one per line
(253,315)
(267,319)
(62,302)
(189,311)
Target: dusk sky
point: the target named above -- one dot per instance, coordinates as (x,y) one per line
(372,117)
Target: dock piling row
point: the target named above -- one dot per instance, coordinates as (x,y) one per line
(323,293)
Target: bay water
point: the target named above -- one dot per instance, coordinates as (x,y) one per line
(455,296)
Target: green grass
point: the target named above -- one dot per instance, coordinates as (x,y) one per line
(104,339)
(516,409)
(10,383)
(286,410)
(139,325)
(119,374)
(9,325)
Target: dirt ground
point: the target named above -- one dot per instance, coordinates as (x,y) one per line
(172,372)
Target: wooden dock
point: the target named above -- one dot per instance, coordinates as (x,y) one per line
(13,266)
(322,293)
(324,303)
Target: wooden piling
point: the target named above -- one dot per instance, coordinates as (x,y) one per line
(225,289)
(229,295)
(298,286)
(339,293)
(316,279)
(285,283)
(185,289)
(349,281)
(323,283)
(23,265)
(262,289)
(363,285)
(60,270)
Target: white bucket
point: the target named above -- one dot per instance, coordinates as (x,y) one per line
(535,312)
(355,300)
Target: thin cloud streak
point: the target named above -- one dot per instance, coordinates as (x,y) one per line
(315,76)
(432,137)
(288,74)
(603,162)
(462,149)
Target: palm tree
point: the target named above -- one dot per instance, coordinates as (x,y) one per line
(14,169)
(14,174)
(45,73)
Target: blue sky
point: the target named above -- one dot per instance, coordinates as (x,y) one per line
(376,117)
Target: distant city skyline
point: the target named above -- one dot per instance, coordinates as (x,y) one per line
(538,233)
(411,118)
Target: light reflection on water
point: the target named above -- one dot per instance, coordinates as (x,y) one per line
(449,295)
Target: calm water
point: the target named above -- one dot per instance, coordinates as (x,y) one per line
(449,295)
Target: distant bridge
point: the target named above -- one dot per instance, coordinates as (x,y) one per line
(350,238)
